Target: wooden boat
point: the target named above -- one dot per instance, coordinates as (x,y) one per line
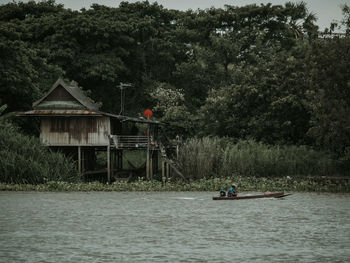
(265,195)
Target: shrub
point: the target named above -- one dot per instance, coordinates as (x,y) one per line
(24,159)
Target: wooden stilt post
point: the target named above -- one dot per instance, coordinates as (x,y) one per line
(151,166)
(147,164)
(79,160)
(117,161)
(108,164)
(167,171)
(163,172)
(148,114)
(112,162)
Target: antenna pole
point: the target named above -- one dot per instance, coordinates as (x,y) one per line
(122,87)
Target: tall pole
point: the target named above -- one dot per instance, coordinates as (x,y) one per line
(122,87)
(148,114)
(148,154)
(163,172)
(108,164)
(151,165)
(79,160)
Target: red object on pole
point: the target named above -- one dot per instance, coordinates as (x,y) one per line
(148,113)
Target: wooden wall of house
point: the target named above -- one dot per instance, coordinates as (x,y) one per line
(75,130)
(59,94)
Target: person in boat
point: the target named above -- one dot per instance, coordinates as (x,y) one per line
(232,191)
(222,193)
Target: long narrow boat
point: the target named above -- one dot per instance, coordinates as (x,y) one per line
(275,195)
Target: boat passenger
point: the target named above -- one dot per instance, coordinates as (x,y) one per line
(222,193)
(232,191)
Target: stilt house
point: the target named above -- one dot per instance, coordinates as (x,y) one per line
(71,120)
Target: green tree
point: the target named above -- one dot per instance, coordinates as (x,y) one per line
(330,93)
(170,109)
(266,100)
(23,72)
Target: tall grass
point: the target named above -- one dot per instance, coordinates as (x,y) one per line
(24,159)
(200,158)
(215,157)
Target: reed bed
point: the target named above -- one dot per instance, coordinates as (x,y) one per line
(216,158)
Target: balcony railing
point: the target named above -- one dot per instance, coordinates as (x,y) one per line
(125,141)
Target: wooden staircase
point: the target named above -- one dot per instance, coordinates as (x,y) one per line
(120,142)
(171,163)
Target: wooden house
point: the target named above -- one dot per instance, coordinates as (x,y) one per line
(71,120)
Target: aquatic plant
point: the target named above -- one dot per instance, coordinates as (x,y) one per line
(259,184)
(210,157)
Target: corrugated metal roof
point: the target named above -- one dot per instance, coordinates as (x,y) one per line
(75,91)
(126,118)
(56,105)
(78,93)
(51,107)
(83,113)
(60,113)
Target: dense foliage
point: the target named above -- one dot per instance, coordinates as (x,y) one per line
(24,159)
(258,72)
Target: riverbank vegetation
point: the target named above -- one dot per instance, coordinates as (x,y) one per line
(24,160)
(261,184)
(255,91)
(208,165)
(221,157)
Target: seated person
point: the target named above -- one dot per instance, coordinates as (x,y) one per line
(232,191)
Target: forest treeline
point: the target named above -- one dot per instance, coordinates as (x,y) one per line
(260,72)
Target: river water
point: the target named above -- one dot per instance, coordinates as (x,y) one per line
(172,227)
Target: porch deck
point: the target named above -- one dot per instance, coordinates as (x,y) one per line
(132,142)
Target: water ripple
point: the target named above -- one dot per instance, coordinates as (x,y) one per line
(172,227)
